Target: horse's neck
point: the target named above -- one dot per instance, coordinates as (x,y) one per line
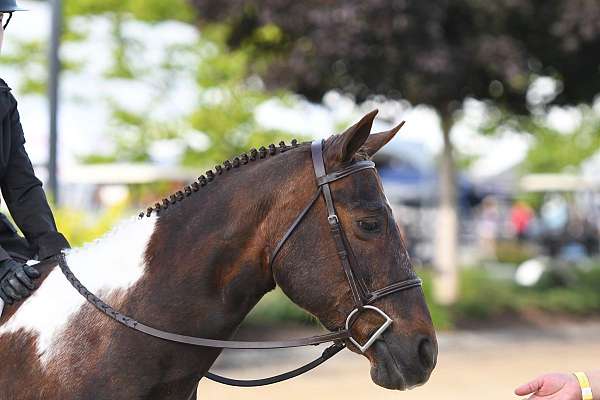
(109,267)
(195,269)
(207,260)
(215,251)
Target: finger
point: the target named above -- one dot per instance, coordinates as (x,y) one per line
(18,286)
(10,292)
(25,280)
(32,272)
(529,387)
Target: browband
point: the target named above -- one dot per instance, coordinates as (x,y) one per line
(344,172)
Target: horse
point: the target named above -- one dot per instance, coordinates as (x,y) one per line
(199,261)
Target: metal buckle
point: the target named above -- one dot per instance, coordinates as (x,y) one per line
(333,219)
(374,336)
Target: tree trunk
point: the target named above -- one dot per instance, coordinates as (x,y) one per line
(446,237)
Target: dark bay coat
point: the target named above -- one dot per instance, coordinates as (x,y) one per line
(22,192)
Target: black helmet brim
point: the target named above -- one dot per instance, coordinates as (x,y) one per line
(8,6)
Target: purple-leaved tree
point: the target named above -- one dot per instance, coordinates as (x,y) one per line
(435,52)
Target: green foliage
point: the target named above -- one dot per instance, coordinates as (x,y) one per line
(276,307)
(227,95)
(555,151)
(145,10)
(226,113)
(29,55)
(98,159)
(441,316)
(268,34)
(482,297)
(567,290)
(513,252)
(485,298)
(566,301)
(551,151)
(121,67)
(134,133)
(79,227)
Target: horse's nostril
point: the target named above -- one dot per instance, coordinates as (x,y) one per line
(426,353)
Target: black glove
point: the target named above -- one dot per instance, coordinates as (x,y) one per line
(16,280)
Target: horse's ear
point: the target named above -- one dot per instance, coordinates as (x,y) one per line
(377,140)
(344,146)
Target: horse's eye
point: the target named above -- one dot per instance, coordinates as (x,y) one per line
(369,226)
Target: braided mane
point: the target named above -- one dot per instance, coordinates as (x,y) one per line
(203,180)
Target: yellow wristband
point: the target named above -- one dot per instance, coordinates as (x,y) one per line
(584,383)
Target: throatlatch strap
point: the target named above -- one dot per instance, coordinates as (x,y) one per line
(293,227)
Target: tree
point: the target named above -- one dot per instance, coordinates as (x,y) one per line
(553,149)
(222,123)
(427,52)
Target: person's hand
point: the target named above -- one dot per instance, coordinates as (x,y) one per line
(551,387)
(16,280)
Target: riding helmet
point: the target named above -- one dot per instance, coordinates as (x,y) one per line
(8,6)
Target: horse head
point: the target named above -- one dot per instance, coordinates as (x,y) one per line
(309,270)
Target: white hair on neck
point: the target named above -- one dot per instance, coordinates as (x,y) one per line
(114,262)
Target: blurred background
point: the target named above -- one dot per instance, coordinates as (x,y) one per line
(494,180)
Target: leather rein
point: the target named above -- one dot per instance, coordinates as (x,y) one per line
(363,298)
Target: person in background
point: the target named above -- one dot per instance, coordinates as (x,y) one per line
(560,386)
(521,216)
(488,227)
(23,195)
(554,215)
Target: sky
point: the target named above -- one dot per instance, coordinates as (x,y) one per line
(84,118)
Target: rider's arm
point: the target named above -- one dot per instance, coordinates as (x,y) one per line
(3,254)
(25,197)
(560,386)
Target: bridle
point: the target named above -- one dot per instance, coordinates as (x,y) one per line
(362,296)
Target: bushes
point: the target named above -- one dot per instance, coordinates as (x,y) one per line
(578,295)
(513,252)
(80,227)
(276,307)
(484,298)
(440,315)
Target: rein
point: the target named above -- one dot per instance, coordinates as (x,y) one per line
(363,298)
(191,340)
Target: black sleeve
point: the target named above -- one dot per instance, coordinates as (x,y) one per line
(3,254)
(25,197)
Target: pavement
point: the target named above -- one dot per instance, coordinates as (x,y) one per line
(482,364)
